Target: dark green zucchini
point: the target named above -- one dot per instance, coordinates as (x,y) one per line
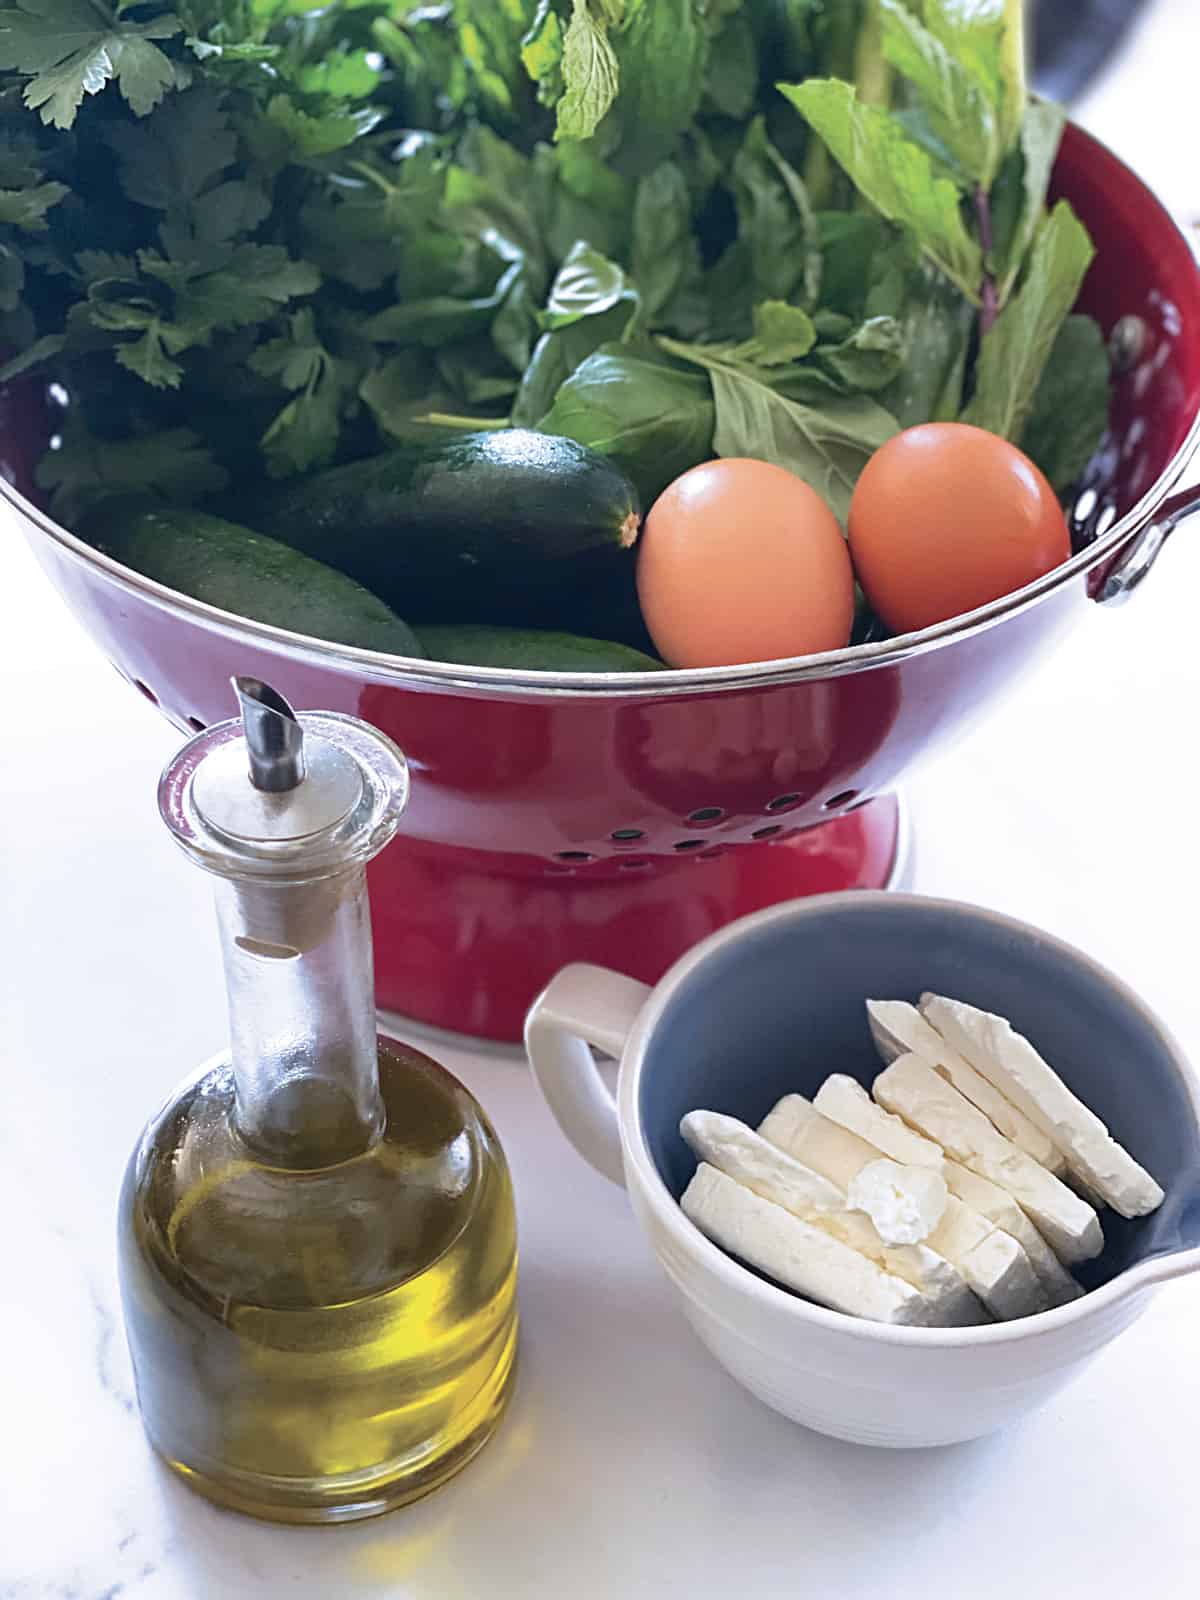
(503,526)
(249,574)
(530,650)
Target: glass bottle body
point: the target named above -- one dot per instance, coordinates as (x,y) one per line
(314,1343)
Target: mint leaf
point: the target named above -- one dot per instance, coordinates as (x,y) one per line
(894,174)
(1070,408)
(988,38)
(1041,135)
(70,48)
(590,74)
(587,285)
(1015,351)
(958,112)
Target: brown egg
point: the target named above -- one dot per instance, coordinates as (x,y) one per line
(741,561)
(946,517)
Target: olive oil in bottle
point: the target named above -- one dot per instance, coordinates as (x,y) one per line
(317,1236)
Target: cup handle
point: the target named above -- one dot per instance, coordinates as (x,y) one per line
(583,1006)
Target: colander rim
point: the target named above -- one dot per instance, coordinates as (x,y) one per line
(409,672)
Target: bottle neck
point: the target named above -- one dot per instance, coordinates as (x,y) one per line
(300,981)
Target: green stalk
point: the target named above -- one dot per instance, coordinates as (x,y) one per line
(872,74)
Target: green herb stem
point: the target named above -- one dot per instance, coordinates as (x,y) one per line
(989,298)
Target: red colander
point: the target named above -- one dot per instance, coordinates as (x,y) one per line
(619,818)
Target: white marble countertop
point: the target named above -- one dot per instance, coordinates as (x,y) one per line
(629,1464)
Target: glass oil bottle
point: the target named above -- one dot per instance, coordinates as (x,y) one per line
(317,1237)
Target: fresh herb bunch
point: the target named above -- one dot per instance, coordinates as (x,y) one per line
(251,237)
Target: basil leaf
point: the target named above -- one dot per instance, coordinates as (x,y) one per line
(731,83)
(851,242)
(827,444)
(587,285)
(775,221)
(664,252)
(651,416)
(784,333)
(1016,349)
(957,111)
(1070,408)
(662,52)
(556,356)
(894,174)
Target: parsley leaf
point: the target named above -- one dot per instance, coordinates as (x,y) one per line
(71,48)
(305,432)
(83,469)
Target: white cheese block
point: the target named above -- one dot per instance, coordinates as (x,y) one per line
(758,1165)
(998,1206)
(1011,1063)
(845,1100)
(999,1273)
(905,1203)
(796,1254)
(917,1093)
(899,1030)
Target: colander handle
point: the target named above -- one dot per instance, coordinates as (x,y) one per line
(583,1006)
(1114,583)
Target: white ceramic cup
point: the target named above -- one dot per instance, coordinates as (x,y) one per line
(773,1004)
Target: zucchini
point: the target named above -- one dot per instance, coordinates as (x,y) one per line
(502,527)
(249,574)
(530,650)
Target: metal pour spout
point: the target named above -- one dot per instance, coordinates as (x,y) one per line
(274,738)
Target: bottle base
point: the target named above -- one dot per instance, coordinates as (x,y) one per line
(356,1496)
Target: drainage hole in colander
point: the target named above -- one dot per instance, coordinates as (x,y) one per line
(837,801)
(783,802)
(195,724)
(144,688)
(635,866)
(573,857)
(767,833)
(705,814)
(626,835)
(711,854)
(688,844)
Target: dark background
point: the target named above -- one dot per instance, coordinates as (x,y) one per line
(1073,41)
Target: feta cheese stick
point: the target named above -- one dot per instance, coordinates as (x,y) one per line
(992,1263)
(998,1206)
(796,1254)
(1010,1062)
(917,1093)
(736,1150)
(843,1099)
(899,1030)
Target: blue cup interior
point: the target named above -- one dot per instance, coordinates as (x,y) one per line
(783,1006)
